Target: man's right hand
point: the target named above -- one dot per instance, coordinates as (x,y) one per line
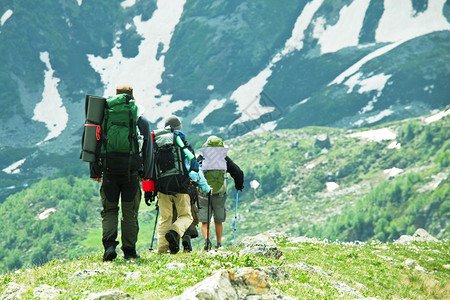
(98,179)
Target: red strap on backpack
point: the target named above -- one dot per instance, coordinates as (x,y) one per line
(97,132)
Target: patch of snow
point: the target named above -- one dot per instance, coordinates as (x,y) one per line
(381,115)
(400,22)
(51,110)
(355,67)
(80,2)
(304,101)
(373,83)
(345,33)
(369,106)
(429,88)
(247,96)
(14,168)
(295,42)
(210,87)
(5,16)
(353,81)
(310,166)
(145,70)
(254,184)
(394,145)
(376,135)
(358,123)
(45,214)
(437,116)
(212,106)
(392,172)
(264,127)
(331,186)
(128,3)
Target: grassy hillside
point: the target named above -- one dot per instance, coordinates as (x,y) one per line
(58,218)
(308,269)
(297,178)
(292,185)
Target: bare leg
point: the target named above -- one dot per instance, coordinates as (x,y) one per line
(219,230)
(205,230)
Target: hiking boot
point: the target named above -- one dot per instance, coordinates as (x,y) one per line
(208,245)
(110,254)
(130,254)
(172,238)
(186,241)
(219,245)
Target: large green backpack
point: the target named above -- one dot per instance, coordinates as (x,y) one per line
(120,146)
(214,165)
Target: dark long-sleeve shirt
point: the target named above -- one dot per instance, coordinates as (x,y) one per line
(236,173)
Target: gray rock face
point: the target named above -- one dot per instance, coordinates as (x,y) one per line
(243,283)
(45,291)
(108,294)
(262,244)
(322,141)
(421,235)
(13,291)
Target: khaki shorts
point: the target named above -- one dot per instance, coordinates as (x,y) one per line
(219,209)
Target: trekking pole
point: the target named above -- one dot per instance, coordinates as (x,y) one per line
(235,216)
(207,230)
(154,228)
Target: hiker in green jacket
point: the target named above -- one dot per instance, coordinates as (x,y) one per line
(120,175)
(215,164)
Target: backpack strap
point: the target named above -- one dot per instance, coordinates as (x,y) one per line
(105,134)
(130,141)
(132,137)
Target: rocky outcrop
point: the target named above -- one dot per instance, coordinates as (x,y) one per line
(421,235)
(13,291)
(322,141)
(240,283)
(43,291)
(108,294)
(261,244)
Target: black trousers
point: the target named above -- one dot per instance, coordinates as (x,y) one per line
(126,189)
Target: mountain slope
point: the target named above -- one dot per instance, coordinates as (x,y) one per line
(371,184)
(328,63)
(356,185)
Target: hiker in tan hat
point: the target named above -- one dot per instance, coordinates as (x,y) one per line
(121,165)
(125,89)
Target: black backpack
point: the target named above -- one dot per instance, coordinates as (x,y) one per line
(170,170)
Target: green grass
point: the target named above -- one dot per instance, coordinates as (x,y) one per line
(373,269)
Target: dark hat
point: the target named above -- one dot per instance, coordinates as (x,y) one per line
(125,89)
(174,122)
